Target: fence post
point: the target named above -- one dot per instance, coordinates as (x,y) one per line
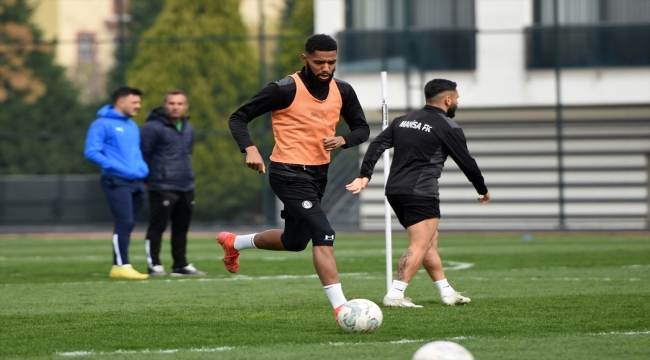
(558,119)
(268,198)
(647,196)
(57,203)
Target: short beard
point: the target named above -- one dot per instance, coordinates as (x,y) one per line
(331,76)
(451,112)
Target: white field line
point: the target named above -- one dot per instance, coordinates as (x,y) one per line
(231,278)
(645,332)
(397,342)
(146,351)
(364,275)
(311,276)
(635,266)
(476,278)
(226,348)
(286,277)
(455,265)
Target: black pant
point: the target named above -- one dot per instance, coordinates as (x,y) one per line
(166,205)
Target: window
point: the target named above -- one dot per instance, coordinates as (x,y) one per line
(85,47)
(418,34)
(591,12)
(590,33)
(416,14)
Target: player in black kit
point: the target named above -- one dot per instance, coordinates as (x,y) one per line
(422,140)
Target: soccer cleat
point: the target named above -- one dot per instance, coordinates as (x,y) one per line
(455,299)
(336,312)
(231,255)
(403,302)
(157,270)
(188,270)
(126,272)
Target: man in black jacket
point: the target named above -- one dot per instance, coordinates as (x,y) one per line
(167,142)
(422,140)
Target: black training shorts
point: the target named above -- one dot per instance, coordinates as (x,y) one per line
(301,197)
(304,217)
(411,209)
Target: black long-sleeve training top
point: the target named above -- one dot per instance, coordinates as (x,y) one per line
(280,94)
(422,140)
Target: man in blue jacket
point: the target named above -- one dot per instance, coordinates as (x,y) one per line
(167,142)
(113,143)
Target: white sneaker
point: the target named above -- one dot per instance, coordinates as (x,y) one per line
(403,302)
(188,270)
(455,299)
(157,270)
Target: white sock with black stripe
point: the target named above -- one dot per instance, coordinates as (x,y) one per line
(397,289)
(335,294)
(444,288)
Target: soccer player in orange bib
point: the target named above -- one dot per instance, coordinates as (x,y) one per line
(305,108)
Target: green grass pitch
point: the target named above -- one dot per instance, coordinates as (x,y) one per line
(556,296)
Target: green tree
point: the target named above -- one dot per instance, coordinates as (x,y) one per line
(141,15)
(207,55)
(297,26)
(42,125)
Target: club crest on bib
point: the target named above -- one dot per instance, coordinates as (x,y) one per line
(306,204)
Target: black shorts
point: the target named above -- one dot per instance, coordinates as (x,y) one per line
(304,217)
(301,197)
(411,209)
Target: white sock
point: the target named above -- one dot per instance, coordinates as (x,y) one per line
(397,289)
(245,242)
(444,288)
(335,294)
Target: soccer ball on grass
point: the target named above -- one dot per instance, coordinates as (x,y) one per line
(360,315)
(442,350)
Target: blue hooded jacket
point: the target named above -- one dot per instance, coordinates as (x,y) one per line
(113,143)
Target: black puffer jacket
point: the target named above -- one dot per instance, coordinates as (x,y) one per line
(167,152)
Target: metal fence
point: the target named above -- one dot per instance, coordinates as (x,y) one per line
(554,167)
(598,182)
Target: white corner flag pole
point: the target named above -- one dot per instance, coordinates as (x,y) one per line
(389,240)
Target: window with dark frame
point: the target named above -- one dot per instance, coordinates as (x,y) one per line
(85,47)
(590,33)
(419,34)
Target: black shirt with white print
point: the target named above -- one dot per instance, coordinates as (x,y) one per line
(422,140)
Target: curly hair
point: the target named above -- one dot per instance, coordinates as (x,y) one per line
(320,42)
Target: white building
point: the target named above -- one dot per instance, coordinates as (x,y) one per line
(502,55)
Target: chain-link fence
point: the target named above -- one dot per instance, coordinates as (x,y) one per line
(558,164)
